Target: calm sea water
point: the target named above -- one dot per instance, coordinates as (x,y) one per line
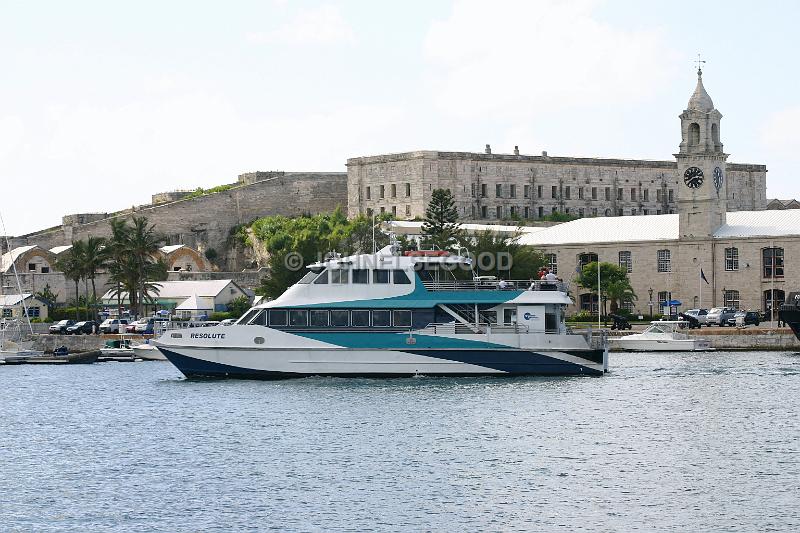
(669,442)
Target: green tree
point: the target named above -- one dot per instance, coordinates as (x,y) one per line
(71,263)
(614,283)
(238,306)
(48,297)
(441,228)
(505,258)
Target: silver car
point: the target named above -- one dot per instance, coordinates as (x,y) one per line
(700,314)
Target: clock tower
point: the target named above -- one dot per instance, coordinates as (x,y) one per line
(702,180)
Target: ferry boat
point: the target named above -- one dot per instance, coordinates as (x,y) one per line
(391,315)
(789,313)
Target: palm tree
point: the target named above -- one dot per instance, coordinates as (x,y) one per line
(93,260)
(115,254)
(71,264)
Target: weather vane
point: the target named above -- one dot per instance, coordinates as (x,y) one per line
(700,63)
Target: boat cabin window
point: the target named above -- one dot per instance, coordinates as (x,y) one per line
(402,319)
(338,276)
(509,316)
(550,319)
(400,277)
(298,317)
(248,316)
(318,318)
(277,317)
(340,318)
(308,278)
(380,276)
(322,279)
(360,318)
(360,276)
(260,319)
(381,319)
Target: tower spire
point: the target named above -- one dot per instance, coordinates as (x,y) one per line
(700,63)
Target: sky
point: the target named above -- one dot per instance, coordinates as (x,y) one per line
(103,104)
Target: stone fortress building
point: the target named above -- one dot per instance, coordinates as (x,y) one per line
(720,247)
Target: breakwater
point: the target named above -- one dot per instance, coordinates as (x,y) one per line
(747,338)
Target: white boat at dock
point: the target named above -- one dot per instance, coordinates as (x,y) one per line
(661,336)
(148,352)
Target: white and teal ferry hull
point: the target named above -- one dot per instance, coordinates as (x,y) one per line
(263,353)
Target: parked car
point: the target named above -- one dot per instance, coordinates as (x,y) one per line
(111,325)
(719,316)
(82,328)
(699,314)
(60,327)
(749,317)
(144,325)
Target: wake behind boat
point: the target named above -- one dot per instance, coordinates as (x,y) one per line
(386,315)
(661,336)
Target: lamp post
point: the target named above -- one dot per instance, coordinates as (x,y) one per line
(724,303)
(650,302)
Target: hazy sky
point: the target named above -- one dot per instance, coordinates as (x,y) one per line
(104,103)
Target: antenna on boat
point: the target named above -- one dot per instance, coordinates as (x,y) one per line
(16,274)
(373,233)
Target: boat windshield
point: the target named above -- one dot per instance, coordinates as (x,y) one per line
(308,278)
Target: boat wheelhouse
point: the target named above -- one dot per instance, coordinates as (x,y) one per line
(387,314)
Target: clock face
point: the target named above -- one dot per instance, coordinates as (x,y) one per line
(693,177)
(718,178)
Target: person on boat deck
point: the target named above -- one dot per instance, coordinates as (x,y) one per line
(503,285)
(542,273)
(550,276)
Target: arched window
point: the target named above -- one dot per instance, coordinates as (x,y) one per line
(586,258)
(694,134)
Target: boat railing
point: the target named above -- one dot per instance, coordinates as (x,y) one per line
(494,285)
(597,339)
(457,328)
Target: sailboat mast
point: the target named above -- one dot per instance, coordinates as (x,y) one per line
(16,274)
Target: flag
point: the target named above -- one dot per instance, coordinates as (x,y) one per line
(703,276)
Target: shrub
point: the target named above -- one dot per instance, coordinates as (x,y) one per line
(219,316)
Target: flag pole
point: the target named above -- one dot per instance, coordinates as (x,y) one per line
(700,282)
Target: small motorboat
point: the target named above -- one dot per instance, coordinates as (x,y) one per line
(148,352)
(661,336)
(117,348)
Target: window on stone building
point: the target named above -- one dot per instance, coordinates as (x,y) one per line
(580,193)
(594,211)
(45,270)
(658,211)
(731,259)
(670,195)
(499,211)
(484,194)
(633,194)
(627,305)
(566,211)
(541,211)
(554,210)
(512,191)
(731,298)
(394,190)
(589,302)
(369,193)
(472,211)
(658,195)
(408,190)
(383,209)
(498,190)
(633,212)
(369,211)
(594,193)
(619,194)
(408,210)
(663,296)
(554,191)
(586,258)
(472,191)
(619,212)
(567,192)
(581,212)
(526,191)
(552,262)
(625,261)
(539,191)
(512,210)
(527,212)
(772,259)
(664,261)
(644,211)
(773,300)
(646,195)
(608,193)
(394,210)
(31,267)
(383,191)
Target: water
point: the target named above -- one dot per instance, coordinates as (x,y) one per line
(667,442)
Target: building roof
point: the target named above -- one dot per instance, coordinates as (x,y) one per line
(194,303)
(9,258)
(700,100)
(169,249)
(740,224)
(60,249)
(184,289)
(10,300)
